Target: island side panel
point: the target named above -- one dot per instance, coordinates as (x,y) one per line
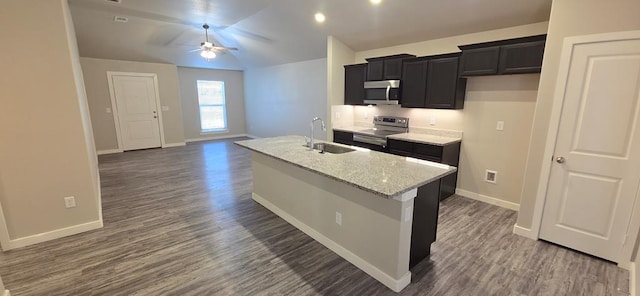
(374,229)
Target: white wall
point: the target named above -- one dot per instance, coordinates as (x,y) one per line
(338,55)
(234,96)
(508,98)
(47,150)
(568,18)
(282,100)
(104,128)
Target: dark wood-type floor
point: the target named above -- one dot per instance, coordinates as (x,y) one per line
(180,221)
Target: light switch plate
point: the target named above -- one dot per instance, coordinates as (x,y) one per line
(108,110)
(432,120)
(165,108)
(70,202)
(500,125)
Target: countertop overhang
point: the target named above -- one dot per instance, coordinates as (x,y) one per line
(386,175)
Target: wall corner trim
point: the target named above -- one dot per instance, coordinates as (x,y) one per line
(394,284)
(51,235)
(524,232)
(488,199)
(633,280)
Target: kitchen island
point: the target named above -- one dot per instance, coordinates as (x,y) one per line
(376,210)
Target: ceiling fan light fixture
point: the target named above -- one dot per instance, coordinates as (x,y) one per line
(208,54)
(375,2)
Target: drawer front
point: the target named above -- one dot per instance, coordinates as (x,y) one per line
(400,146)
(343,137)
(428,150)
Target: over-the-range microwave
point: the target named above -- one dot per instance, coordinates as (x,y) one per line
(385,92)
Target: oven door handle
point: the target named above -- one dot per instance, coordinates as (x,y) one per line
(370,140)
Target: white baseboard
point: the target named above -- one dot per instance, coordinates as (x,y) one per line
(387,280)
(51,235)
(488,199)
(525,232)
(109,151)
(169,145)
(219,137)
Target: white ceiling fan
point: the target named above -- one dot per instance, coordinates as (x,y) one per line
(208,50)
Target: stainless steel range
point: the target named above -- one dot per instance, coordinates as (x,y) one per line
(383,126)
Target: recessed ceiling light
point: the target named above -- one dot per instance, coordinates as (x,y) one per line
(375,2)
(320,18)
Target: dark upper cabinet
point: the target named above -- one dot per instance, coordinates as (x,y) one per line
(521,58)
(392,69)
(432,82)
(444,89)
(354,77)
(375,70)
(512,56)
(386,68)
(480,61)
(413,86)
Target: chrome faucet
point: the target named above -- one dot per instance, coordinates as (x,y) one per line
(324,128)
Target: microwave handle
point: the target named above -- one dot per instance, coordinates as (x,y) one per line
(388,89)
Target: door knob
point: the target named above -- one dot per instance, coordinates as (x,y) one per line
(560,159)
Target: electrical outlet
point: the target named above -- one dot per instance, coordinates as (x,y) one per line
(338,115)
(491,176)
(366,115)
(108,110)
(69,202)
(408,214)
(165,108)
(432,120)
(339,218)
(500,125)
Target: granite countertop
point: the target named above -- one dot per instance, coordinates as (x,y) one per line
(425,138)
(351,129)
(383,174)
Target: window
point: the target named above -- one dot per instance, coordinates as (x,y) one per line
(211,101)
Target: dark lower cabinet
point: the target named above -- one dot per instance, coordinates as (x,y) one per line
(448,154)
(354,77)
(343,137)
(425,222)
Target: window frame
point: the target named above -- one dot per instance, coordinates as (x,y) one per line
(225,128)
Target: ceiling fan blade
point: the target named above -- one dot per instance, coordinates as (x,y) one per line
(199,49)
(224,48)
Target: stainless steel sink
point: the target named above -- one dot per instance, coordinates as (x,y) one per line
(330,148)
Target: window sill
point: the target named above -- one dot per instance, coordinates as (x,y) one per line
(222,131)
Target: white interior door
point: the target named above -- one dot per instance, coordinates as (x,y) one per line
(135,98)
(596,171)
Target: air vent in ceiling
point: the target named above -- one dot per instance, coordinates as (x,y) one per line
(120,19)
(114,1)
